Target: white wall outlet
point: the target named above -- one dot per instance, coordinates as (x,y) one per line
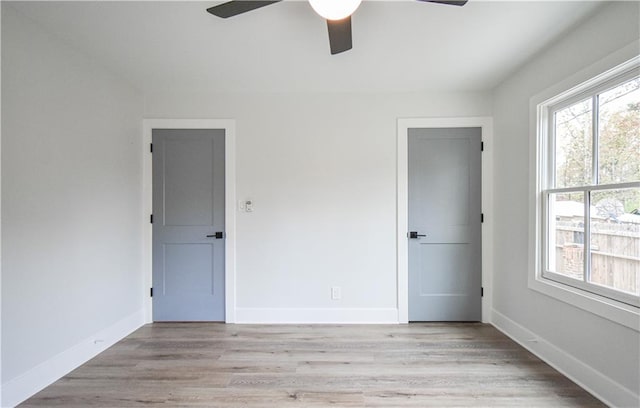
(336,293)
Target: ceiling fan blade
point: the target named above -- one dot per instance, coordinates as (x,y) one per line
(450,3)
(339,35)
(233,8)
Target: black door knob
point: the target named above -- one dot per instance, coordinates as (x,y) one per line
(415,235)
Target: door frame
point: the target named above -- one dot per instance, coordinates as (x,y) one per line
(229,126)
(404,124)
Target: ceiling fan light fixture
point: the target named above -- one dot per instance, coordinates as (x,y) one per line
(335,9)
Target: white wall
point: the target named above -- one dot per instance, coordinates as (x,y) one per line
(321,171)
(609,351)
(71,207)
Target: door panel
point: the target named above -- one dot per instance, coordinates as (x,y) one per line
(188,180)
(188,205)
(445,268)
(188,269)
(444,205)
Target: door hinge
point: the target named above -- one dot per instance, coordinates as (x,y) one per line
(481,218)
(151,218)
(481,292)
(482,146)
(150,147)
(151,292)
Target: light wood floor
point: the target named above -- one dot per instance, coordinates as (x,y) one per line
(217,365)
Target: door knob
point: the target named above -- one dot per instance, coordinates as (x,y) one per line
(217,235)
(415,235)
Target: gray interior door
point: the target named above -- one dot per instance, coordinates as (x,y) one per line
(445,273)
(188,210)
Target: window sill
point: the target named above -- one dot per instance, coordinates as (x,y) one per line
(610,309)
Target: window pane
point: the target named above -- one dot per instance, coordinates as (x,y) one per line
(566,234)
(573,145)
(619,137)
(615,239)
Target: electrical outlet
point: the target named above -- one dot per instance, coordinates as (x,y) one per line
(336,293)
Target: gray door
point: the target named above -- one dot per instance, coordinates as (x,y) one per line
(445,272)
(188,210)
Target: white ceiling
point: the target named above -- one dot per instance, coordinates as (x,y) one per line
(399,46)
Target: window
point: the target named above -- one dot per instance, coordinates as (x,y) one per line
(589,179)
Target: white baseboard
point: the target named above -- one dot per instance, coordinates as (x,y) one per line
(25,385)
(592,380)
(316,316)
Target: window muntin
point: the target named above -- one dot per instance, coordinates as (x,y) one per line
(591,189)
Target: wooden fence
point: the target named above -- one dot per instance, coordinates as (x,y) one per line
(615,253)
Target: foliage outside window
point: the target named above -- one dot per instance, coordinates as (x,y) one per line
(591,188)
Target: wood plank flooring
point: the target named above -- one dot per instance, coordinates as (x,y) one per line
(218,365)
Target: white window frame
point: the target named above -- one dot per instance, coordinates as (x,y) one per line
(611,304)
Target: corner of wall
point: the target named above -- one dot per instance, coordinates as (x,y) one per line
(518,311)
(66,81)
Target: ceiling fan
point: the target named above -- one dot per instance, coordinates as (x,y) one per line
(336,12)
